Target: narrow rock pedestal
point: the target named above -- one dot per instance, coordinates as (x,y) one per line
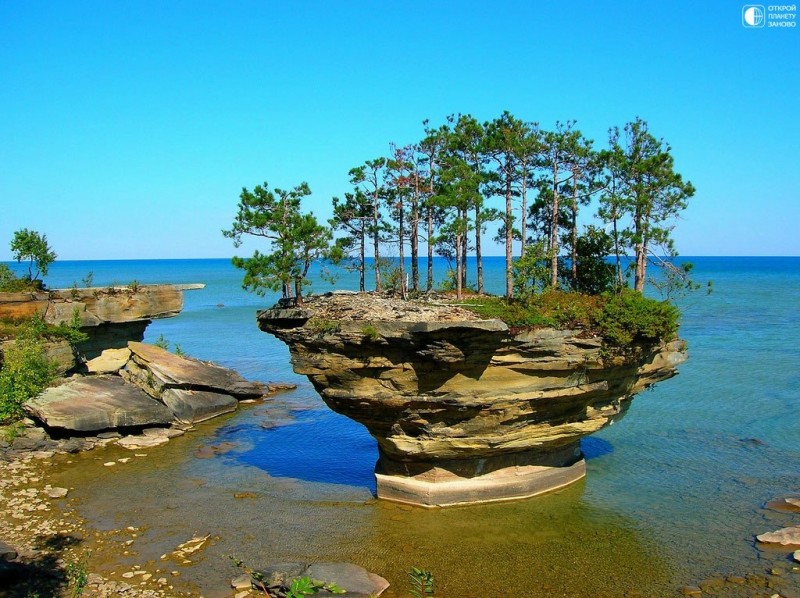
(506,477)
(464,410)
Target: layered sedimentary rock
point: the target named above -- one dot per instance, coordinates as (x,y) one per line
(464,410)
(110,316)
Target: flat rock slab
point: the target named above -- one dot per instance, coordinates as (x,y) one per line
(182,372)
(133,443)
(97,403)
(787,536)
(191,406)
(109,361)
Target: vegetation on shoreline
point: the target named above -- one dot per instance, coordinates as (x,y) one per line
(26,371)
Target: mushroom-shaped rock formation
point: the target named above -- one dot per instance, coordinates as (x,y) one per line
(464,410)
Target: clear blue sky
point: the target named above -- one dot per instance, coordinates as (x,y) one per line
(127,129)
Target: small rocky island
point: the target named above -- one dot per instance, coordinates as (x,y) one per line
(464,410)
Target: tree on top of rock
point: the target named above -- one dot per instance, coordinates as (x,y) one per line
(295,239)
(32,246)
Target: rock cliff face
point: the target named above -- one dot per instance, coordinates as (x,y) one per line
(110,316)
(464,410)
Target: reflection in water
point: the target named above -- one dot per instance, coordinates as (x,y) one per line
(593,447)
(526,548)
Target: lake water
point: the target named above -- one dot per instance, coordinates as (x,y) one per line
(673,495)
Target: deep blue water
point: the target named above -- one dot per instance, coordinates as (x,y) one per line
(691,463)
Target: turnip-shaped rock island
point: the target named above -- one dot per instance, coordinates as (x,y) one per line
(464,410)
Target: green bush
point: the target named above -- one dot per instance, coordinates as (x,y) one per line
(568,310)
(26,372)
(10,283)
(630,316)
(620,318)
(323,326)
(370,332)
(515,313)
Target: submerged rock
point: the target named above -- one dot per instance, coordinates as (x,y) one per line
(6,552)
(787,536)
(787,504)
(133,443)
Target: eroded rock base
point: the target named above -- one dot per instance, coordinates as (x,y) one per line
(509,477)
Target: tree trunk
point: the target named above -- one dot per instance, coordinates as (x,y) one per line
(478,252)
(415,238)
(429,281)
(523,225)
(464,245)
(640,223)
(554,231)
(363,259)
(298,291)
(574,229)
(376,242)
(620,281)
(509,240)
(641,267)
(459,266)
(402,242)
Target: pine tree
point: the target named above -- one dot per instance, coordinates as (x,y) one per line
(295,240)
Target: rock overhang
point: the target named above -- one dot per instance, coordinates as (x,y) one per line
(454,392)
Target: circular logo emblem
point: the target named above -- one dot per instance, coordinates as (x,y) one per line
(754,16)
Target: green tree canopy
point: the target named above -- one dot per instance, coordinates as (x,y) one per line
(649,192)
(31,246)
(295,240)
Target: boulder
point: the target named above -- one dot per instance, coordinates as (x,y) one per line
(191,406)
(354,580)
(164,370)
(97,403)
(109,361)
(787,536)
(6,552)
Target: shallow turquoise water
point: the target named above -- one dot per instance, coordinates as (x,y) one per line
(679,482)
